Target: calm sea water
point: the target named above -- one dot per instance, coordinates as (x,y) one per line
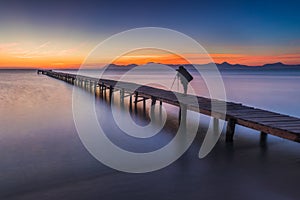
(42,156)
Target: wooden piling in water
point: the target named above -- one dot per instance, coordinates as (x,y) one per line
(130,102)
(136,100)
(263,138)
(215,125)
(230,130)
(111,89)
(122,94)
(144,105)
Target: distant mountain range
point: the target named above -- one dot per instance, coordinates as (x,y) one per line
(223,66)
(272,66)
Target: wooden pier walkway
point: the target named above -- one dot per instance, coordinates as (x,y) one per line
(266,122)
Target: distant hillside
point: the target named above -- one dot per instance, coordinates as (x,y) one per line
(272,66)
(222,66)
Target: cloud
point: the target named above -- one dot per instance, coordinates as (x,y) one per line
(72,50)
(48,50)
(46,44)
(6,47)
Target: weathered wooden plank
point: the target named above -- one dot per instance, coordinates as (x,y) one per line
(257,116)
(286,127)
(290,129)
(297,131)
(271,130)
(275,119)
(250,112)
(282,123)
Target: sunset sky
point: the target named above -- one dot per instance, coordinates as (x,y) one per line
(61,34)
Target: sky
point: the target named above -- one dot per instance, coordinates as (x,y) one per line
(60,34)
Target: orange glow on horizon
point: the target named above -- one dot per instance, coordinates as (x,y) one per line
(47,55)
(250,60)
(66,52)
(9,62)
(156,58)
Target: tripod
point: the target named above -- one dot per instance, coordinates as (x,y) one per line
(174,82)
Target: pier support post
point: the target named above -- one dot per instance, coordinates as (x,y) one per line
(104,91)
(216,125)
(136,101)
(152,108)
(95,88)
(230,130)
(130,102)
(90,86)
(88,83)
(144,105)
(263,139)
(122,96)
(153,101)
(110,93)
(101,89)
(182,115)
(179,115)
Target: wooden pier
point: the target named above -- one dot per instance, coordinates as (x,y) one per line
(266,122)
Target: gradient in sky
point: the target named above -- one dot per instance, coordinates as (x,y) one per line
(62,33)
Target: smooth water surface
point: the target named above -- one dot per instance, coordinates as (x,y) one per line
(42,156)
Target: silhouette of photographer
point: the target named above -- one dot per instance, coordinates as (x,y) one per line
(185,77)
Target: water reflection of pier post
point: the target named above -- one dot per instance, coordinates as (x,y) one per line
(130,102)
(182,115)
(111,89)
(122,96)
(144,106)
(263,139)
(152,109)
(136,101)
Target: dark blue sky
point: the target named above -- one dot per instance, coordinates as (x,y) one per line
(233,22)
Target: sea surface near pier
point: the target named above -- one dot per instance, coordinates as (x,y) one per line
(43,157)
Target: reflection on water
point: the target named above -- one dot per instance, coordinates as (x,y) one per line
(42,156)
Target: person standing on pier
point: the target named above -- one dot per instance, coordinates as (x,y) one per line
(185,77)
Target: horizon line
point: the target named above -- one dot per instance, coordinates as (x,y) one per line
(94,66)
